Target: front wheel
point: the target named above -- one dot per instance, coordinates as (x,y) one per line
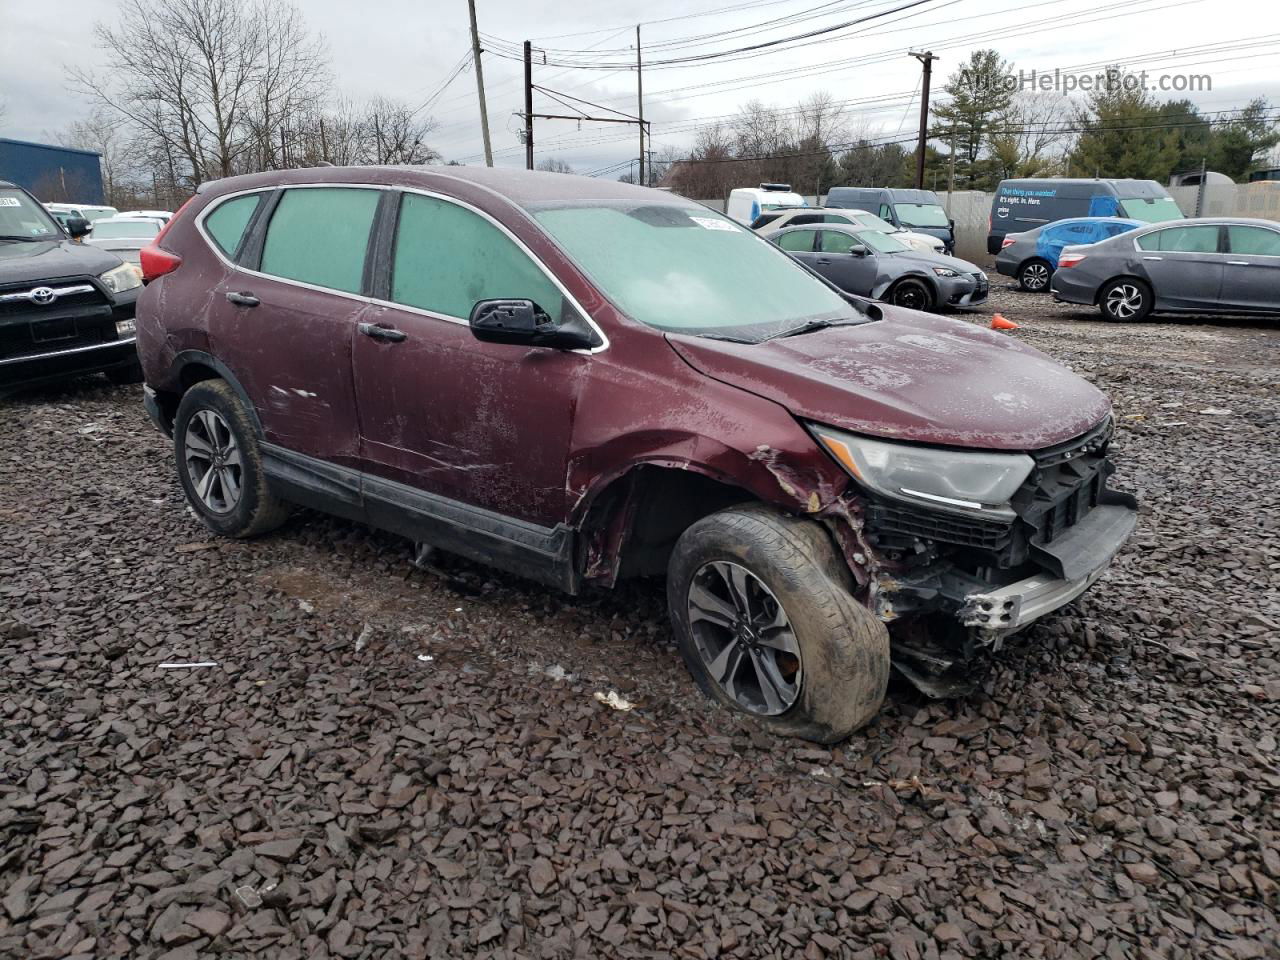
(1125,299)
(911,294)
(220,463)
(767,626)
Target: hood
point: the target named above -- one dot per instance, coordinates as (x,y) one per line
(33,261)
(937,260)
(911,376)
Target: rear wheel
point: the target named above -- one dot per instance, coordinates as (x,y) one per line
(220,464)
(1125,299)
(912,294)
(767,626)
(1033,276)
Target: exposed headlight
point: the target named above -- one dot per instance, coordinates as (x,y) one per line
(945,272)
(121,278)
(961,481)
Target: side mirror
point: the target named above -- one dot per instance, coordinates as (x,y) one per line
(859,250)
(77,227)
(524,323)
(951,225)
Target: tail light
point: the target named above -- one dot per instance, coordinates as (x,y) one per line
(1069,260)
(1008,241)
(156,262)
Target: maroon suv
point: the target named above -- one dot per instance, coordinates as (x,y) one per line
(579,381)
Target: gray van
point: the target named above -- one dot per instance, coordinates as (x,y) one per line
(916,210)
(1021,205)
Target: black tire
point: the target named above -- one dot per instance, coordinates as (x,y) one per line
(1125,300)
(911,294)
(839,681)
(121,376)
(1034,275)
(253,509)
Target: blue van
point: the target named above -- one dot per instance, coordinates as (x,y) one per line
(1021,205)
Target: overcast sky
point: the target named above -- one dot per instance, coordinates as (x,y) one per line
(406,48)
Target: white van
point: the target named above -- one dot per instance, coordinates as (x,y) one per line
(88,211)
(747,203)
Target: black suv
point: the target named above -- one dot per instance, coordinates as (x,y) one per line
(66,309)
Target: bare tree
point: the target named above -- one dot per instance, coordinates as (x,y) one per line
(395,134)
(1028,140)
(102,133)
(554,165)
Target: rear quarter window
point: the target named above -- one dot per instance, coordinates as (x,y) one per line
(227,223)
(320,235)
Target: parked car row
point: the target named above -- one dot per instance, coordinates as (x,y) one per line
(579,382)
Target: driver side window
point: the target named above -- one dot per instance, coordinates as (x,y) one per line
(447,258)
(833,241)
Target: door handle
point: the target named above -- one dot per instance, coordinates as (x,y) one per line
(1153,258)
(243,299)
(824,260)
(390,334)
(1238,263)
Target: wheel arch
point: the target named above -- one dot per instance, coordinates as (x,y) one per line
(190,367)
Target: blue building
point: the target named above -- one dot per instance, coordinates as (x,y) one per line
(53,174)
(1258,175)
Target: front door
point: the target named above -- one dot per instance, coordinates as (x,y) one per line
(1252,279)
(479,423)
(848,272)
(285,327)
(1185,265)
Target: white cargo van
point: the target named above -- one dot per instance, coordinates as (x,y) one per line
(747,203)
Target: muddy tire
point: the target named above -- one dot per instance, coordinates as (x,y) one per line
(1125,300)
(761,607)
(220,464)
(911,294)
(1034,275)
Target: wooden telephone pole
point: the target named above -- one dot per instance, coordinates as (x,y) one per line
(640,107)
(475,58)
(926,59)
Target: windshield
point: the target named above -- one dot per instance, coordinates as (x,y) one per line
(20,216)
(921,214)
(872,222)
(1152,209)
(881,242)
(111,229)
(687,269)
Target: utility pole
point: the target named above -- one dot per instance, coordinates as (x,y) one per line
(1200,190)
(926,59)
(951,174)
(640,106)
(528,105)
(475,58)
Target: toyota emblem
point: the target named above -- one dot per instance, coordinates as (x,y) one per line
(43,295)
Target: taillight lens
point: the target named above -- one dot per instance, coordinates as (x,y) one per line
(156,262)
(1007,241)
(1069,260)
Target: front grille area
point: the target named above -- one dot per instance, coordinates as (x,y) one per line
(72,320)
(1068,481)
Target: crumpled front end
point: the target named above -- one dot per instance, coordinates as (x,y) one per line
(953,587)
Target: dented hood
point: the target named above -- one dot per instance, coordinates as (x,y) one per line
(911,376)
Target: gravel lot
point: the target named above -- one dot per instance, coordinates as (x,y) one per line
(394,762)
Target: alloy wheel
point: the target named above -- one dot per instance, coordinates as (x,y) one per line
(1035,276)
(1124,301)
(213,461)
(744,638)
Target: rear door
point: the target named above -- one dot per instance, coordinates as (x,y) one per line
(483,424)
(1185,264)
(835,262)
(1252,277)
(285,318)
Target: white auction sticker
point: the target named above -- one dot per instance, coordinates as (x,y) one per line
(710,223)
(9,202)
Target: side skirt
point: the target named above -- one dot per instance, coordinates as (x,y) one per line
(545,555)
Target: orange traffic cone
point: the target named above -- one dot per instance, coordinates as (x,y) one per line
(998,322)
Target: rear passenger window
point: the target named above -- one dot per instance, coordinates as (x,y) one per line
(1182,240)
(227,222)
(319,235)
(447,258)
